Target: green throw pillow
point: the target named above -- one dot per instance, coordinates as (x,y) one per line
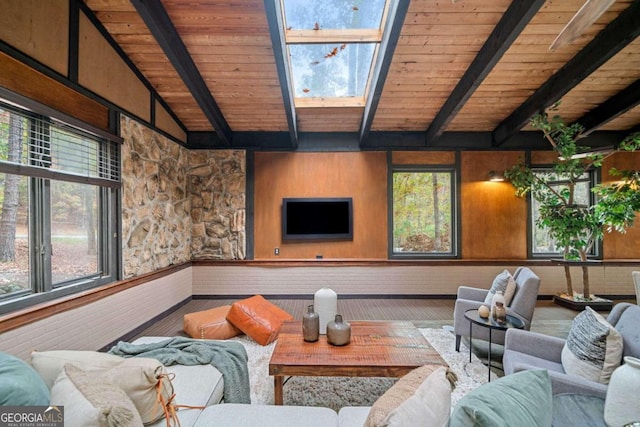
(20,384)
(522,399)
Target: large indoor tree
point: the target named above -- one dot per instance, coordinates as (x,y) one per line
(576,227)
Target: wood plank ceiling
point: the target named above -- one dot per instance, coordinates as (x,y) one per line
(459,66)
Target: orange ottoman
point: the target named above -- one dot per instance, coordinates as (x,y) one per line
(258,318)
(210,324)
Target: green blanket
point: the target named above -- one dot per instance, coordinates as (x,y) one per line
(229,357)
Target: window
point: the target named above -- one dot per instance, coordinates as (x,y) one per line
(332,48)
(59,189)
(423,213)
(542,244)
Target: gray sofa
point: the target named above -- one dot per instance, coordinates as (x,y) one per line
(531,350)
(522,306)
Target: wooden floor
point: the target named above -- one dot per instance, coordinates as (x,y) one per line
(549,318)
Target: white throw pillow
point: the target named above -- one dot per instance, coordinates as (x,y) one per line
(144,380)
(49,364)
(505,283)
(430,405)
(403,389)
(593,349)
(91,401)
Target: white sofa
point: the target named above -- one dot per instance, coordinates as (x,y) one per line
(199,386)
(203,385)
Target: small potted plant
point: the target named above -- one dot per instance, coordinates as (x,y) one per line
(576,227)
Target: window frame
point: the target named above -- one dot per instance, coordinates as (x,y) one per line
(338,37)
(41,287)
(454,201)
(596,252)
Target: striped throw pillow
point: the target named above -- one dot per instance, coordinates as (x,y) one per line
(593,349)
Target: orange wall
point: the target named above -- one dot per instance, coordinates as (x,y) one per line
(493,219)
(360,175)
(617,245)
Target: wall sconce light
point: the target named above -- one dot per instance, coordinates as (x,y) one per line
(495,176)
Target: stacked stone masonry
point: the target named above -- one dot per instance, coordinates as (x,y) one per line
(177,204)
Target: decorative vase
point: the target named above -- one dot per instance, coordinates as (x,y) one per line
(621,404)
(325,301)
(338,331)
(500,313)
(310,325)
(497,297)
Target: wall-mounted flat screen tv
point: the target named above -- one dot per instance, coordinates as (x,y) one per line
(317,218)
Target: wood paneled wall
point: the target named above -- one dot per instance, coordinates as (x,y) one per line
(617,245)
(40,30)
(493,223)
(360,175)
(101,70)
(28,82)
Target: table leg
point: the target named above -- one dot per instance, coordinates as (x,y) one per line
(470,341)
(489,357)
(277,389)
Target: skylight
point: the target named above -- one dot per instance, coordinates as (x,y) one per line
(332,47)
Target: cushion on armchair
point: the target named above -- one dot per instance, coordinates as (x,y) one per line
(593,349)
(505,283)
(258,318)
(210,324)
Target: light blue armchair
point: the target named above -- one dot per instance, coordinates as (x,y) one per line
(531,350)
(522,306)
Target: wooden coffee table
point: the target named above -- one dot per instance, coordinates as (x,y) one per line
(377,349)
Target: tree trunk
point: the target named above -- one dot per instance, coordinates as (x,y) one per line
(585,282)
(11,193)
(567,275)
(586,293)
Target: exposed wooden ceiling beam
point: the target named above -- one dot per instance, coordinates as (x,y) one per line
(613,107)
(381,67)
(274,17)
(156,18)
(506,31)
(386,140)
(613,38)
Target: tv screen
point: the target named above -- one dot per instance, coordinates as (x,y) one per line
(317,219)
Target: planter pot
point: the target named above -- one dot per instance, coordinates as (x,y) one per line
(598,304)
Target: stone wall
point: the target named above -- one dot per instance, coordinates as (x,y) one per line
(156,220)
(217,194)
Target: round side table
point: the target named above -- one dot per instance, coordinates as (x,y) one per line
(474,318)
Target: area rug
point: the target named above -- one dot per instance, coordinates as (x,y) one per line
(337,392)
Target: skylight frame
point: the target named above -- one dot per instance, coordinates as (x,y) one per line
(340,37)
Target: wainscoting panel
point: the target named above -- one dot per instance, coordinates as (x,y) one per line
(391,280)
(94,325)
